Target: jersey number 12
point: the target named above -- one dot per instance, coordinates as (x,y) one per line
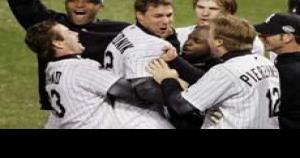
(274,102)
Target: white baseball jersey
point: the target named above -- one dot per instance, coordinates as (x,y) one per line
(246,90)
(183,34)
(77,90)
(131,51)
(127,56)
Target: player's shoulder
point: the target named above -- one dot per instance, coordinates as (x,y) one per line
(132,30)
(89,63)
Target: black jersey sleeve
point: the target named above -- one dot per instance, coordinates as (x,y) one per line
(186,71)
(184,115)
(30,12)
(181,114)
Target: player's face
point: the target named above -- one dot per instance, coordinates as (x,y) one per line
(71,41)
(273,42)
(206,10)
(81,12)
(158,20)
(197,44)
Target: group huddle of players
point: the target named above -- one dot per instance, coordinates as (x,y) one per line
(104,74)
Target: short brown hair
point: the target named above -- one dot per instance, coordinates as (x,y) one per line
(236,33)
(39,39)
(229,6)
(143,5)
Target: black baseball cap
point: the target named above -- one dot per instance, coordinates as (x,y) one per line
(280,23)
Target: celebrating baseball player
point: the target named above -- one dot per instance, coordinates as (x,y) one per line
(94,34)
(130,52)
(245,87)
(78,88)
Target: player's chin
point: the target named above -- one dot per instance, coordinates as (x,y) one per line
(80,20)
(164,34)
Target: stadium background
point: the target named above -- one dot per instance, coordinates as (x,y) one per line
(18,80)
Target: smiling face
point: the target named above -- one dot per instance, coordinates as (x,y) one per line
(70,42)
(81,12)
(158,20)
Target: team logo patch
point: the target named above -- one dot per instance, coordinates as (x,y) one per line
(288,29)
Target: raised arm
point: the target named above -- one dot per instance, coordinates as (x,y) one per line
(30,12)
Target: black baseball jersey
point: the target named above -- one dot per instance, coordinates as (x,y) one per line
(94,36)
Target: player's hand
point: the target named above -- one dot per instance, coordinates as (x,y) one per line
(169,54)
(161,71)
(215,115)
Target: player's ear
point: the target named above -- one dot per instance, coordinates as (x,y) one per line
(100,7)
(287,38)
(58,44)
(218,42)
(139,16)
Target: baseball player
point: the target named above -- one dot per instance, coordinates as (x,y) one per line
(245,87)
(133,49)
(78,88)
(280,34)
(210,9)
(94,34)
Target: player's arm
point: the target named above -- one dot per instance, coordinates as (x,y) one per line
(183,114)
(186,71)
(123,90)
(30,12)
(148,90)
(104,83)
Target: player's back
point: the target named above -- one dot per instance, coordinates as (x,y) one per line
(78,94)
(254,94)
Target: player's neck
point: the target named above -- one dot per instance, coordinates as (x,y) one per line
(290,48)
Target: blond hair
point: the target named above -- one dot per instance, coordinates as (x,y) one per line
(236,33)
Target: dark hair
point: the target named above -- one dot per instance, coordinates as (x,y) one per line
(229,6)
(297,38)
(294,6)
(39,39)
(143,5)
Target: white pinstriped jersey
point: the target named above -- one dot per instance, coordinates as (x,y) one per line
(131,51)
(77,89)
(245,88)
(127,56)
(184,32)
